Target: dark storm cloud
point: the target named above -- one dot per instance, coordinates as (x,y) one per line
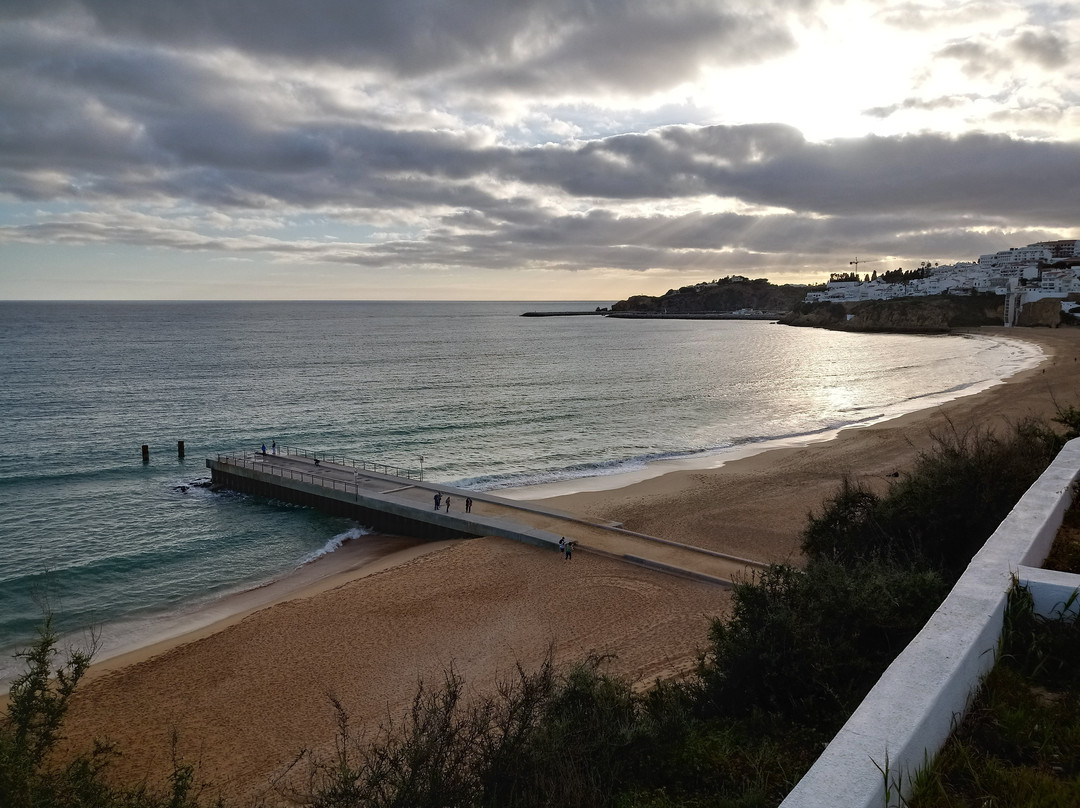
(866,189)
(407,36)
(668,163)
(86,118)
(107,98)
(981,175)
(772,165)
(630,44)
(645,48)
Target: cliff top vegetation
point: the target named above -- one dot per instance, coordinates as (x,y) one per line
(733,293)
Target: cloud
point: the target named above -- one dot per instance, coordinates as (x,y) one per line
(642,48)
(977,59)
(500,135)
(891,196)
(985,57)
(108,122)
(1044,48)
(540,45)
(925,104)
(928,17)
(772,165)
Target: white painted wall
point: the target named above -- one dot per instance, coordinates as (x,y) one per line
(908,714)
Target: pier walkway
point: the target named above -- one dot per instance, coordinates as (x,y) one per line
(404,504)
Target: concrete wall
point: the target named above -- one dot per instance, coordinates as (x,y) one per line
(1055,594)
(909,713)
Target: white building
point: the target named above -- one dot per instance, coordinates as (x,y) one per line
(1016,273)
(1060,249)
(1056,280)
(1017,256)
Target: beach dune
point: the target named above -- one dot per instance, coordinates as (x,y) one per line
(246,695)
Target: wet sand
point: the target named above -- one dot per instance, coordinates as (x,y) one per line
(248,692)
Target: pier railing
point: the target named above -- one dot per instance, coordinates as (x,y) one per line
(256,460)
(361,465)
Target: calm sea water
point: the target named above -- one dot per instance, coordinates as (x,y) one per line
(489,398)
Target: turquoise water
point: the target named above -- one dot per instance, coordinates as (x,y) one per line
(489,398)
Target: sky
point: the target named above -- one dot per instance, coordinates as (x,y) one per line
(522,149)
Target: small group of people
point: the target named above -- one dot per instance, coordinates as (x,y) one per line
(273,447)
(439,499)
(566,548)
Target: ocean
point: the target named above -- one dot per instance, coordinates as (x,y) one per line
(489,399)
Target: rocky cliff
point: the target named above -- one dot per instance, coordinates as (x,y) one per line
(1045,312)
(911,315)
(914,315)
(728,294)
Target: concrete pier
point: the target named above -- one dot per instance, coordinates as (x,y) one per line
(403,505)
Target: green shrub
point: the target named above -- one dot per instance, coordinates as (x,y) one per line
(29,731)
(806,645)
(37,703)
(539,740)
(943,510)
(1069,418)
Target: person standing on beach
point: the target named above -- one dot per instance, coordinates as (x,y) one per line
(438,500)
(562,545)
(468,504)
(569,549)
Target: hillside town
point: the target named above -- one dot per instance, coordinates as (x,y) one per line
(1045,269)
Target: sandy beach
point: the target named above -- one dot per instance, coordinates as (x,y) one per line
(247,692)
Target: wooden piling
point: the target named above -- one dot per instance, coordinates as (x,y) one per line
(145,453)
(180,448)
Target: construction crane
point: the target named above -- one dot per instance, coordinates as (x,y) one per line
(856,262)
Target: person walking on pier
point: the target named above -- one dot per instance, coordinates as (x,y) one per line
(448,504)
(438,500)
(468,504)
(273,446)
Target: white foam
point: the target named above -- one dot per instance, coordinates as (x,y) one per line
(335,544)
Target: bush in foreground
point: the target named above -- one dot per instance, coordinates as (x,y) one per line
(806,645)
(541,739)
(31,728)
(943,510)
